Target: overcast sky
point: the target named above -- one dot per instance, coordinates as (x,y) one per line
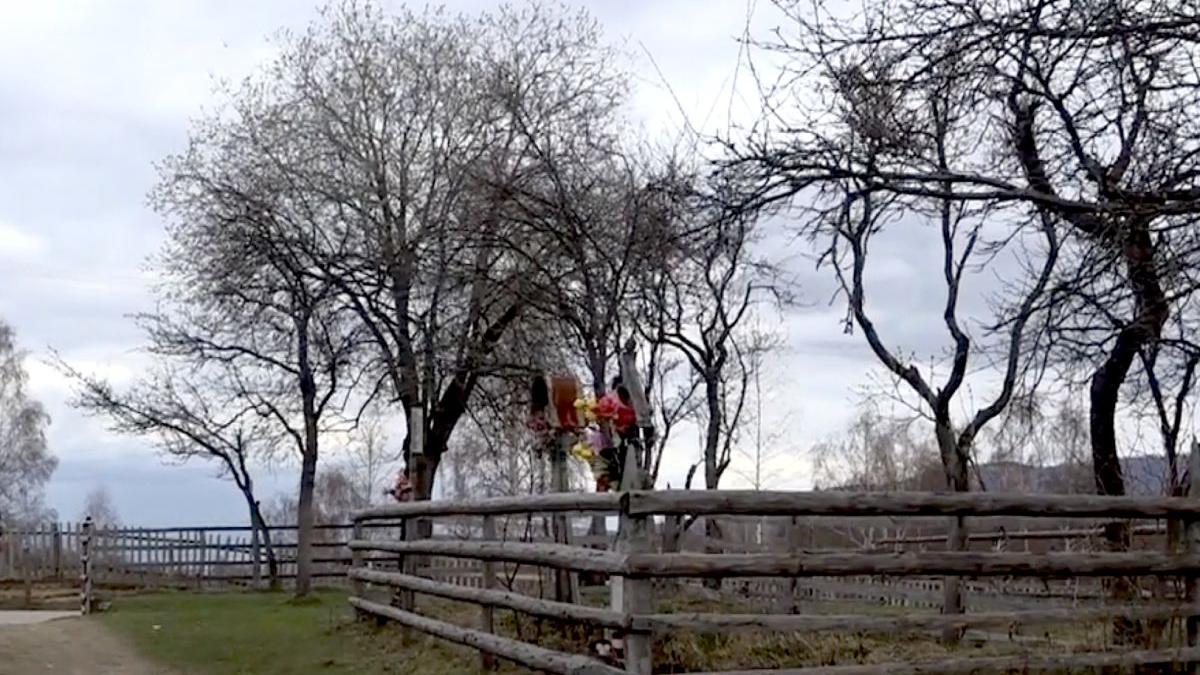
(94,93)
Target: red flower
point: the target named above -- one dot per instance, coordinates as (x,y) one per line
(611,407)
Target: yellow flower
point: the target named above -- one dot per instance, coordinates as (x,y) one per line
(585,408)
(583,451)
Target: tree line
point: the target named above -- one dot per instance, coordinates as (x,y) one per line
(415,212)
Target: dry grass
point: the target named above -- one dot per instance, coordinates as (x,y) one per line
(226,634)
(42,596)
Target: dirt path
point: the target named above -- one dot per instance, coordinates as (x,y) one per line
(69,647)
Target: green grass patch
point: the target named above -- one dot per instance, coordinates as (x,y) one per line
(268,634)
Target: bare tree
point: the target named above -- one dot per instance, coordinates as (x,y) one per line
(770,446)
(285,350)
(395,137)
(1082,113)
(838,170)
(671,390)
(25,462)
(698,300)
(580,230)
(876,452)
(191,415)
(368,460)
(1049,434)
(1170,375)
(241,287)
(337,496)
(99,506)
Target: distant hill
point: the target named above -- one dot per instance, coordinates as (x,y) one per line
(1144,475)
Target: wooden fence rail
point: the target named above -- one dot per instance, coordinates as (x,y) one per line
(206,556)
(633,562)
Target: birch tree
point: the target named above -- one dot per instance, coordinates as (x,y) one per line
(25,461)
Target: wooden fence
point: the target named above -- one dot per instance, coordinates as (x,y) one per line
(216,556)
(634,565)
(208,556)
(146,556)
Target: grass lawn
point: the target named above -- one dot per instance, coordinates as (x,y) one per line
(267,634)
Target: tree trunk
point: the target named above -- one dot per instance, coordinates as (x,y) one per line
(263,534)
(422,469)
(1153,310)
(449,408)
(712,473)
(427,466)
(955,464)
(712,441)
(1105,394)
(308,467)
(305,521)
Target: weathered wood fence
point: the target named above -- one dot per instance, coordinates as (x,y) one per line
(146,556)
(214,556)
(206,556)
(635,564)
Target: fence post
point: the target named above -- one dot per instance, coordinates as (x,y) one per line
(142,558)
(1192,544)
(356,562)
(952,600)
(99,557)
(56,552)
(488,582)
(794,543)
(637,598)
(172,571)
(561,525)
(215,574)
(85,563)
(27,574)
(406,564)
(256,553)
(11,552)
(198,555)
(629,595)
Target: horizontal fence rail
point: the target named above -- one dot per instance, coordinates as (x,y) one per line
(201,556)
(949,563)
(636,561)
(605,502)
(863,504)
(530,655)
(165,556)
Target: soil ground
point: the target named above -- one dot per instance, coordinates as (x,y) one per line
(43,642)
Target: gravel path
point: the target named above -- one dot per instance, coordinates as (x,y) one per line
(32,643)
